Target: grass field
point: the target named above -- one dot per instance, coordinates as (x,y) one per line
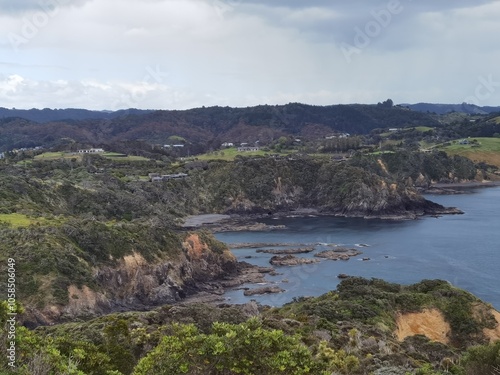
(19,220)
(229,154)
(115,156)
(487,150)
(57,155)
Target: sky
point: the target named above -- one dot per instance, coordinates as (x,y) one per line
(180,54)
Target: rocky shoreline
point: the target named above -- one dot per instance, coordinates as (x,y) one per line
(453,188)
(249,222)
(284,253)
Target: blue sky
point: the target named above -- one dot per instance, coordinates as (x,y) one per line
(178,54)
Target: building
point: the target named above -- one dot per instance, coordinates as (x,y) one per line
(91,151)
(157,177)
(341,135)
(248,148)
(227,144)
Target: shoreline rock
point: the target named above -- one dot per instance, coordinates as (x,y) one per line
(256,245)
(298,250)
(263,290)
(338,254)
(290,260)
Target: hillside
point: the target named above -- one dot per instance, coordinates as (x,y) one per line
(479,150)
(364,327)
(71,114)
(441,109)
(79,225)
(215,124)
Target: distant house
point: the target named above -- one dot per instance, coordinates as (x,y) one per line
(2,155)
(174,176)
(227,144)
(394,129)
(464,142)
(248,148)
(157,177)
(153,175)
(91,151)
(341,135)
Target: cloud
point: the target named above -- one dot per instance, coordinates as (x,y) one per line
(23,6)
(231,52)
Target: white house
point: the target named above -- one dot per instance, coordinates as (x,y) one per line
(91,151)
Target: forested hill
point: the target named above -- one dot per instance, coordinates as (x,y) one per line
(48,115)
(262,123)
(441,109)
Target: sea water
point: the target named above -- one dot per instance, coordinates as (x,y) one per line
(462,249)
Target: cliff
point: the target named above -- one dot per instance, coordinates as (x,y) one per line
(60,291)
(269,185)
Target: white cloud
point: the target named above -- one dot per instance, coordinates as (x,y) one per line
(184,53)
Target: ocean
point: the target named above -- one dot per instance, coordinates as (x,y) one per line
(462,249)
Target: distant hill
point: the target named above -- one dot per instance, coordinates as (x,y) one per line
(442,109)
(203,125)
(48,115)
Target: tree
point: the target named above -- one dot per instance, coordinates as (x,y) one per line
(246,348)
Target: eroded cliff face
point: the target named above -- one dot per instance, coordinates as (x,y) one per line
(329,188)
(136,284)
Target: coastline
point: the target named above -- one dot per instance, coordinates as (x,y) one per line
(217,223)
(452,188)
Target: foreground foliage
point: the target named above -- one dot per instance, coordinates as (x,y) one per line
(348,331)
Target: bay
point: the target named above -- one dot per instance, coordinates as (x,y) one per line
(462,249)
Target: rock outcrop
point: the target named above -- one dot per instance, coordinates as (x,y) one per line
(136,284)
(263,290)
(290,260)
(338,254)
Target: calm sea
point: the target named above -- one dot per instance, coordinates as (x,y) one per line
(462,249)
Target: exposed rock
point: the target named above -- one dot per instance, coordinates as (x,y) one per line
(246,274)
(263,290)
(299,250)
(429,322)
(249,227)
(290,260)
(136,284)
(256,245)
(340,253)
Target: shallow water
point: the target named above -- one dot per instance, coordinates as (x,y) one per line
(463,249)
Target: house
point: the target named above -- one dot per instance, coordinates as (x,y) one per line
(91,151)
(464,142)
(174,176)
(157,177)
(341,135)
(248,148)
(151,176)
(227,144)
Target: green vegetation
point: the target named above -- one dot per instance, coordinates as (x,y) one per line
(348,331)
(486,150)
(57,155)
(230,153)
(17,220)
(246,348)
(117,157)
